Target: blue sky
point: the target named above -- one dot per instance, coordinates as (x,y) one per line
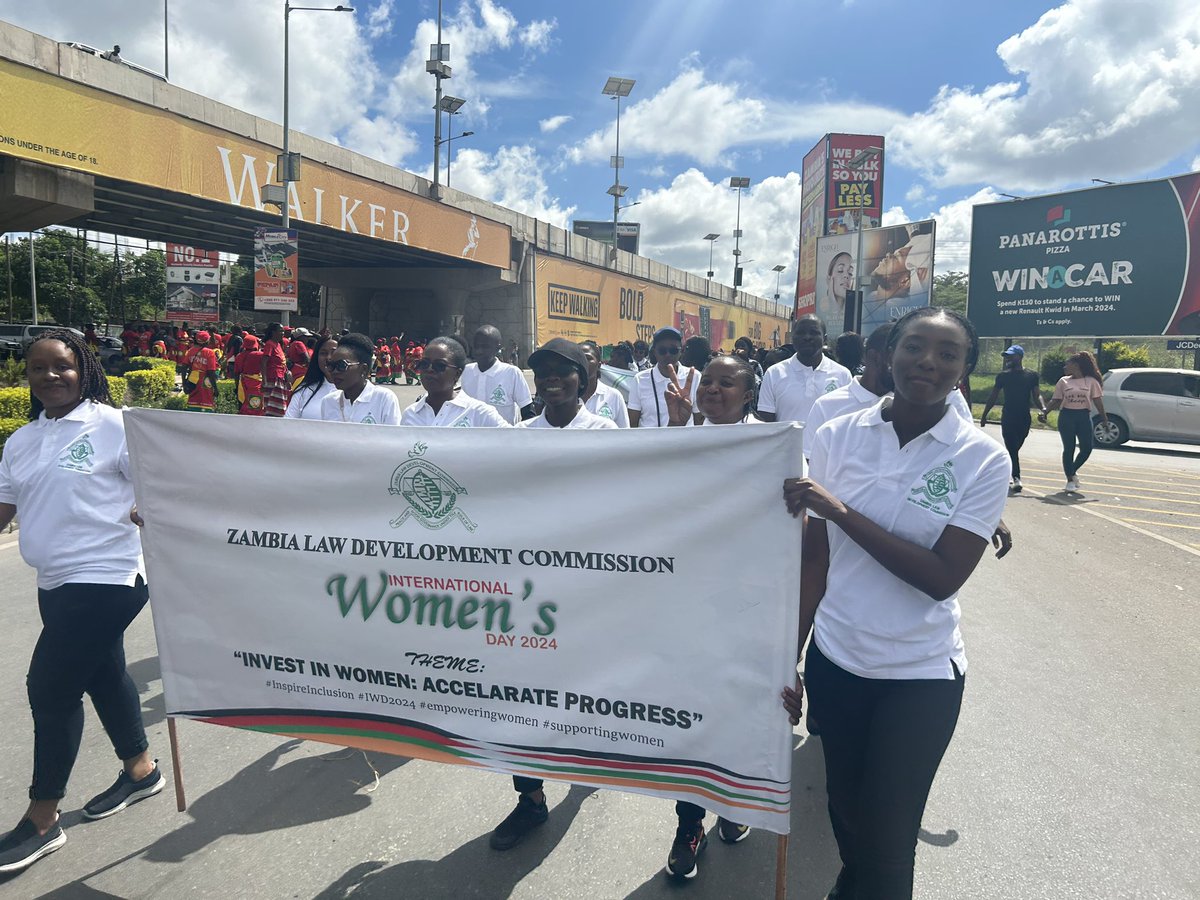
(975,99)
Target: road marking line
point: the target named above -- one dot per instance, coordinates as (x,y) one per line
(1102,479)
(1124,524)
(1098,467)
(5,546)
(1161,512)
(1124,494)
(1165,524)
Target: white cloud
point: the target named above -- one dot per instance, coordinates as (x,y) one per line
(676,217)
(1102,88)
(379,21)
(553,123)
(1195,167)
(536,35)
(916,193)
(705,120)
(512,177)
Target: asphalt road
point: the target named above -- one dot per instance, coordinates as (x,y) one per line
(1075,770)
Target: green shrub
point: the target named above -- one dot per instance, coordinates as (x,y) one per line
(143,363)
(227,401)
(1052,365)
(12,372)
(150,387)
(117,387)
(8,426)
(176,401)
(1119,355)
(14,403)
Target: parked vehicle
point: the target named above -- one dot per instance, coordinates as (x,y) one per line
(16,338)
(1150,405)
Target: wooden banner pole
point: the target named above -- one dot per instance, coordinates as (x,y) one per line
(781,868)
(177,771)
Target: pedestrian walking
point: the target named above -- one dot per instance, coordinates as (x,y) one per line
(790,388)
(494,382)
(1074,395)
(275,384)
(1020,386)
(647,396)
(355,398)
(67,474)
(884,560)
(600,398)
(444,403)
(316,385)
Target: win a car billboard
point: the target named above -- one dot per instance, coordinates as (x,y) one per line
(1115,261)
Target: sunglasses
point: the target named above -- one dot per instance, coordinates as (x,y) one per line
(667,351)
(341,365)
(436,365)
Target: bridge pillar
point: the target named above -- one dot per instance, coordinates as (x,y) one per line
(33,196)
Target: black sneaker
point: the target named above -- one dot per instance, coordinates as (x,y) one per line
(23,846)
(124,792)
(731,832)
(523,819)
(690,841)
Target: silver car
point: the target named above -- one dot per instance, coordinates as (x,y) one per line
(1150,405)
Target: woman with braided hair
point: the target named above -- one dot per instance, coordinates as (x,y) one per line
(67,472)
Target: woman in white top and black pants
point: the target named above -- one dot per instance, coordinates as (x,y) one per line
(67,473)
(902,499)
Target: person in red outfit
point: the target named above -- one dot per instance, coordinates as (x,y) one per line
(202,375)
(247,370)
(275,385)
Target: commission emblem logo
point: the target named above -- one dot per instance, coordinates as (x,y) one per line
(431,494)
(78,456)
(936,490)
(498,398)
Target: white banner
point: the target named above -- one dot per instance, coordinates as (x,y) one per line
(576,605)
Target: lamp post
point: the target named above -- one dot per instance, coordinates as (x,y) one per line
(617,88)
(289,164)
(436,65)
(450,106)
(738,184)
(450,151)
(777,270)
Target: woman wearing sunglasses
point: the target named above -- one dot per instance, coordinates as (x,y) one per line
(648,396)
(444,403)
(356,399)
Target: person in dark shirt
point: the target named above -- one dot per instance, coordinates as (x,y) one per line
(1020,386)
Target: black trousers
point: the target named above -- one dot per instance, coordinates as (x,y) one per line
(1075,425)
(883,741)
(1014,432)
(524,785)
(81,650)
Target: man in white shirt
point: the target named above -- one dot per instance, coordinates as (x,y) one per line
(599,398)
(790,388)
(495,382)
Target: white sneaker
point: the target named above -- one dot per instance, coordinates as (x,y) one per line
(1072,486)
(1016,485)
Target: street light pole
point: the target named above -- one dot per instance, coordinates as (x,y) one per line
(450,152)
(289,169)
(738,183)
(617,88)
(777,270)
(33,279)
(166,42)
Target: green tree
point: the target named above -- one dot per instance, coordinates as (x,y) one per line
(950,291)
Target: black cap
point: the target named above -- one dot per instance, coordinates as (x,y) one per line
(563,349)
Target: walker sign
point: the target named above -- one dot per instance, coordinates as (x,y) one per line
(1120,260)
(462,597)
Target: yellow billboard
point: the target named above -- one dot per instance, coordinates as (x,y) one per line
(52,120)
(581,302)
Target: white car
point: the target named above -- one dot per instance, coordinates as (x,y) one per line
(1150,405)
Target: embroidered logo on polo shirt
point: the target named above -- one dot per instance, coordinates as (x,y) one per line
(936,490)
(605,412)
(431,494)
(830,385)
(498,398)
(368,419)
(78,457)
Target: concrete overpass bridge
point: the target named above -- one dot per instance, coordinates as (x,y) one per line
(91,144)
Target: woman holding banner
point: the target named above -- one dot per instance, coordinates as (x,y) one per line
(67,472)
(724,396)
(884,559)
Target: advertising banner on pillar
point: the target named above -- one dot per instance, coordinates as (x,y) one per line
(411,612)
(854,191)
(276,269)
(812,225)
(1113,261)
(193,284)
(895,271)
(837,261)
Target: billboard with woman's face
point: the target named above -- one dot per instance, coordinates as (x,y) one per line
(837,257)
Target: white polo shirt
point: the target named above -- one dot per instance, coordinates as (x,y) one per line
(69,480)
(870,622)
(608,403)
(460,411)
(854,397)
(502,385)
(374,406)
(648,395)
(790,388)
(306,402)
(583,419)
